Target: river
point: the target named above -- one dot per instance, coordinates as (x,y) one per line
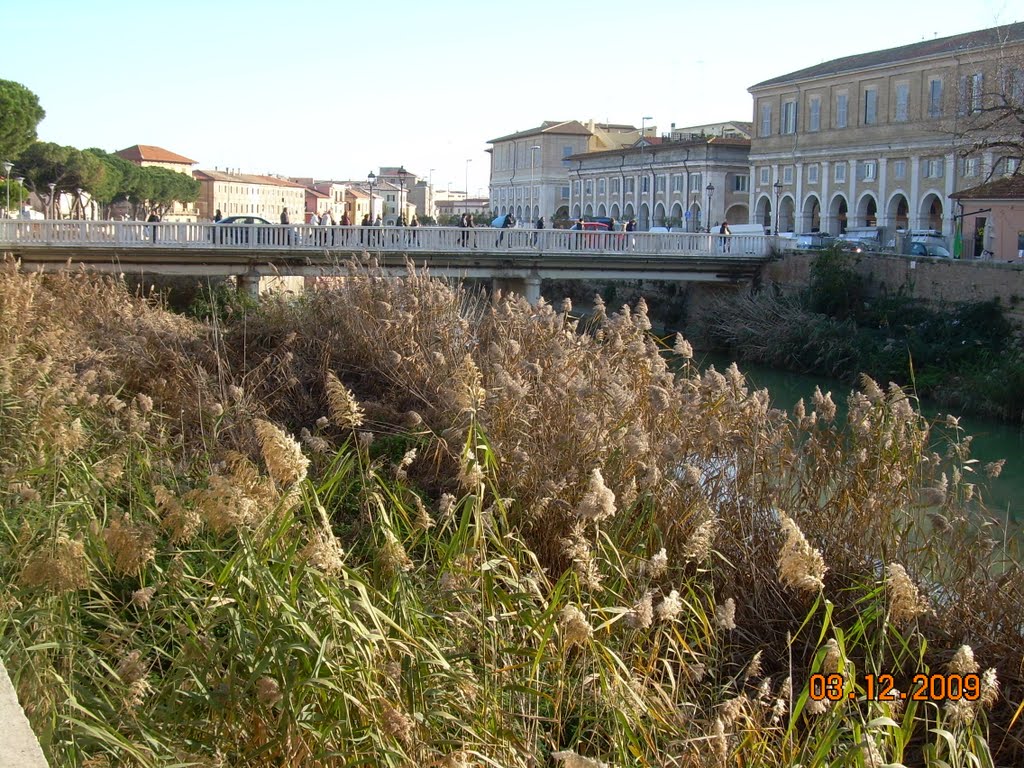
(993,440)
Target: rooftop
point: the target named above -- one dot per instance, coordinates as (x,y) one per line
(562,127)
(1007,187)
(664,144)
(983,38)
(245,178)
(145,152)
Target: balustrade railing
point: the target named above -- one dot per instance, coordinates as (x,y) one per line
(306,238)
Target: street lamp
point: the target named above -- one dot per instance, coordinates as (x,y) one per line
(52,186)
(371,177)
(78,197)
(643,125)
(778,189)
(468,161)
(401,193)
(533,151)
(710,189)
(7,178)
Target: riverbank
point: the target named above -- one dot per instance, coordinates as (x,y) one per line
(967,356)
(396,522)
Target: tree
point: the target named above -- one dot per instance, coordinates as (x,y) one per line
(120,179)
(20,113)
(990,108)
(165,187)
(67,168)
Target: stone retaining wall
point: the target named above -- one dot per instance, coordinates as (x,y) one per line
(932,280)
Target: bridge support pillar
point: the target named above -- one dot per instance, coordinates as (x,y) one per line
(527,287)
(249,284)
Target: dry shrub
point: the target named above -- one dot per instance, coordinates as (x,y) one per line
(697,453)
(661,488)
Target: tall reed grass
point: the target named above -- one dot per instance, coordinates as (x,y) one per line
(391,522)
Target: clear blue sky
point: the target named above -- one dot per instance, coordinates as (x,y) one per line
(336,89)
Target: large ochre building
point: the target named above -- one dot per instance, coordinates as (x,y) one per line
(883,139)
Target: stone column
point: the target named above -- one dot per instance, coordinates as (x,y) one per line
(249,284)
(527,287)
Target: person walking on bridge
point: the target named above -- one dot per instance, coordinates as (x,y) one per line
(154,217)
(724,231)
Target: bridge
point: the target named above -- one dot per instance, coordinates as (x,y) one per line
(515,259)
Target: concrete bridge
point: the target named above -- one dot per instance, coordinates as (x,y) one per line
(515,259)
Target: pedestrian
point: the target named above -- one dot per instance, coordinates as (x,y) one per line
(508,223)
(463,224)
(413,223)
(217,215)
(154,218)
(631,227)
(314,220)
(539,225)
(377,221)
(327,222)
(345,220)
(284,216)
(724,231)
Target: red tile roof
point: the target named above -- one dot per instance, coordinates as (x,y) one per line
(1006,188)
(245,178)
(141,152)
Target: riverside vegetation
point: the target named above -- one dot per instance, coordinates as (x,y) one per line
(967,357)
(391,522)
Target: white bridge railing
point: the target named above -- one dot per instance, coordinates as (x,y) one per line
(308,238)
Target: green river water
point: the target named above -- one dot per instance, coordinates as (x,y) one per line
(993,440)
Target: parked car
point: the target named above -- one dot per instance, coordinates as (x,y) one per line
(929,249)
(813,241)
(234,230)
(850,245)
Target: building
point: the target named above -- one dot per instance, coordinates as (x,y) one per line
(529,169)
(397,184)
(449,211)
(685,184)
(148,156)
(145,155)
(241,194)
(881,139)
(731,129)
(993,219)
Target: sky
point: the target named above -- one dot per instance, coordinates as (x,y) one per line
(337,89)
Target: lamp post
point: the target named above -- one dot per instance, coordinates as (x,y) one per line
(532,179)
(710,189)
(78,197)
(777,186)
(7,178)
(428,197)
(401,193)
(371,177)
(52,187)
(21,184)
(468,161)
(643,125)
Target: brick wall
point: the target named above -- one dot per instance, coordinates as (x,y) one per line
(932,280)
